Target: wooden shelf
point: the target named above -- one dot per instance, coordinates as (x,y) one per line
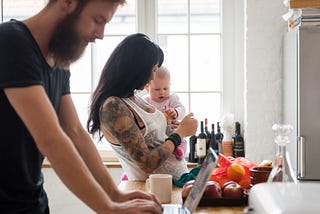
(304,3)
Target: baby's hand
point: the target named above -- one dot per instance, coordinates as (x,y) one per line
(172,113)
(174,124)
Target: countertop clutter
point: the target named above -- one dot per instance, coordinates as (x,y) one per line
(177,199)
(303,3)
(302,13)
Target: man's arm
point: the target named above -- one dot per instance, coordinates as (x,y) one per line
(37,113)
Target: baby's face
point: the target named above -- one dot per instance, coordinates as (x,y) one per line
(159,89)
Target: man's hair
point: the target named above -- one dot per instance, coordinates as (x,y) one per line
(115,1)
(82,3)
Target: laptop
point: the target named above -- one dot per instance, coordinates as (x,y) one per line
(196,192)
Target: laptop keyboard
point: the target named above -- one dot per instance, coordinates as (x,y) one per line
(181,210)
(174,210)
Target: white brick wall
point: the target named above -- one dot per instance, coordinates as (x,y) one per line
(264,29)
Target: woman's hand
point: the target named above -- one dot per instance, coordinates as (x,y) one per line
(174,124)
(188,126)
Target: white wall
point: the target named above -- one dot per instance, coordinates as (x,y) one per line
(264,29)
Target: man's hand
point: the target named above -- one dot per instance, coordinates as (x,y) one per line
(136,206)
(137,202)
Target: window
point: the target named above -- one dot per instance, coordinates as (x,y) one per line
(188,31)
(190,34)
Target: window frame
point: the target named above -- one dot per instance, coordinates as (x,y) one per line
(232,37)
(232,49)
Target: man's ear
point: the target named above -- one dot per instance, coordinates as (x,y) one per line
(68,5)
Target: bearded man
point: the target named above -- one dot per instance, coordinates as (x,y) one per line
(38,117)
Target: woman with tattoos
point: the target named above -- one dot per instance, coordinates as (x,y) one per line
(134,128)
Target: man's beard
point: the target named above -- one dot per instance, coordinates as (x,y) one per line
(65,44)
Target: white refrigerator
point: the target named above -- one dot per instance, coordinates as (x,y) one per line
(301,99)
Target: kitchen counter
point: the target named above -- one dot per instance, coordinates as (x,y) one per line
(176,198)
(113,164)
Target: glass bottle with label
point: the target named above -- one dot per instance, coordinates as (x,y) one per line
(282,170)
(238,143)
(201,144)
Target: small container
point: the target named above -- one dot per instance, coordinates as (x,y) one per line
(282,171)
(259,174)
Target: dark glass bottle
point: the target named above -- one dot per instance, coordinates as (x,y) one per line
(219,137)
(206,130)
(201,144)
(192,152)
(238,143)
(213,141)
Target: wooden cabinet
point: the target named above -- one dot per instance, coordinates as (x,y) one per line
(304,3)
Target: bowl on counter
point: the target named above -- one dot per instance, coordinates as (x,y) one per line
(259,174)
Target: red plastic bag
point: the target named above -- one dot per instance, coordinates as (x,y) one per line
(220,174)
(224,161)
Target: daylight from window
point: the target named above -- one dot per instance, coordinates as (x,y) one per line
(188,31)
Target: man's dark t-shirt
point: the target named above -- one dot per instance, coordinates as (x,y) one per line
(22,65)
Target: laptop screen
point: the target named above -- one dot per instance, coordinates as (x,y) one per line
(199,185)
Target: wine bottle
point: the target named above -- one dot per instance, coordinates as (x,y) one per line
(206,130)
(219,137)
(201,144)
(238,144)
(192,151)
(213,141)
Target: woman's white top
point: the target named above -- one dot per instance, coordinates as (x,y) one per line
(155,135)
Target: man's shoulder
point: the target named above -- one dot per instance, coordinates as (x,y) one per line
(14,35)
(12,28)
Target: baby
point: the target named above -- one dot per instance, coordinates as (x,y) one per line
(160,97)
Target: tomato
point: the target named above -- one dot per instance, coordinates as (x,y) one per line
(235,171)
(246,164)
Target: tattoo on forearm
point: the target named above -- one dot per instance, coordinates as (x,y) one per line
(117,119)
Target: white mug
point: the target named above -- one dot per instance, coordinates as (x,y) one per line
(161,186)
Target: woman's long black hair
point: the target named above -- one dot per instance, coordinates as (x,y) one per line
(128,68)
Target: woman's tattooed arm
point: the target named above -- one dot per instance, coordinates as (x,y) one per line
(117,119)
